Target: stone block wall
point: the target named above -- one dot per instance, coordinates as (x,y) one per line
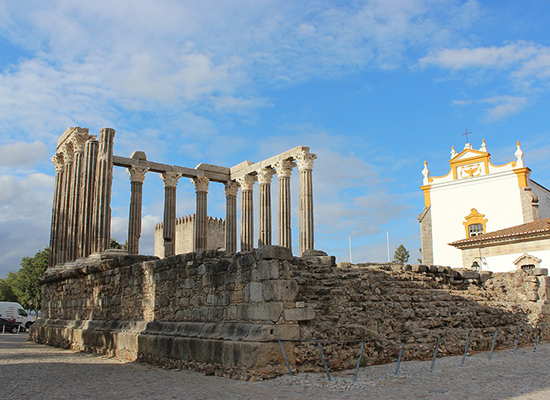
(223,314)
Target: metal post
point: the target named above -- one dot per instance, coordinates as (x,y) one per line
(359,360)
(3,329)
(466,348)
(324,361)
(435,353)
(399,359)
(517,341)
(284,356)
(538,337)
(493,346)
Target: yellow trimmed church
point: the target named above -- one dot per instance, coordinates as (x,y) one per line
(475,198)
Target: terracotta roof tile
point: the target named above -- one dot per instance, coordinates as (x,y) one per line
(528,229)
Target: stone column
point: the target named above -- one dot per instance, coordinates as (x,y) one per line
(137,176)
(247,212)
(305,166)
(169,227)
(284,170)
(104,181)
(231,190)
(57,161)
(264,210)
(201,214)
(88,231)
(65,214)
(78,141)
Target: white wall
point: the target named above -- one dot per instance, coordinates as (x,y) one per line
(505,263)
(544,198)
(496,195)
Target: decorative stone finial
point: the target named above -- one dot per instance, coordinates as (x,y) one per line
(265,175)
(468,146)
(519,155)
(247,182)
(170,179)
(453,152)
(284,168)
(137,173)
(426,173)
(483,146)
(231,189)
(201,183)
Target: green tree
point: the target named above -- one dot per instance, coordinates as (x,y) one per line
(27,286)
(116,245)
(7,286)
(401,255)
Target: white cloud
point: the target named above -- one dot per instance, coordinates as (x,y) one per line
(21,154)
(25,212)
(501,106)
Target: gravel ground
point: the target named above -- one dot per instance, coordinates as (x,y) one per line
(32,371)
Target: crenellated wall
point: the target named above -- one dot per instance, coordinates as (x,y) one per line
(223,313)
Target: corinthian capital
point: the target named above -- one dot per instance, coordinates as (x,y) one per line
(264,176)
(68,153)
(284,168)
(170,179)
(201,183)
(247,182)
(137,173)
(58,161)
(305,160)
(79,140)
(231,189)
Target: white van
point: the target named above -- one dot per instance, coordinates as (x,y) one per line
(15,312)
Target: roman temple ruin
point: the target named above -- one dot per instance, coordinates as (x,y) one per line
(81,215)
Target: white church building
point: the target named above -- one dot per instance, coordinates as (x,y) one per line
(485,215)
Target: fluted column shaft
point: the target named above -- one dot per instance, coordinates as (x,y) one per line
(247,212)
(65,215)
(284,170)
(88,230)
(305,166)
(264,209)
(76,196)
(201,213)
(57,160)
(137,176)
(231,190)
(169,226)
(104,181)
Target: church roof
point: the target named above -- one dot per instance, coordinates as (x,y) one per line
(530,229)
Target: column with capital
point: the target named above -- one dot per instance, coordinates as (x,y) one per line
(284,170)
(169,226)
(247,212)
(231,190)
(137,176)
(78,141)
(88,229)
(104,181)
(57,161)
(65,215)
(264,210)
(305,166)
(201,213)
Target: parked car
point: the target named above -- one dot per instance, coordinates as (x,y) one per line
(8,326)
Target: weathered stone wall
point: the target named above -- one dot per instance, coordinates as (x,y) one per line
(223,314)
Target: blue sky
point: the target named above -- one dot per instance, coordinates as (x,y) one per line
(373,87)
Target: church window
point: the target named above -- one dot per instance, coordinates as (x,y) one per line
(475,229)
(475,223)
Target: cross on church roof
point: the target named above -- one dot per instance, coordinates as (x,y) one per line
(466,133)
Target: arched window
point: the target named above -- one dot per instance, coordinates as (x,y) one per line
(475,223)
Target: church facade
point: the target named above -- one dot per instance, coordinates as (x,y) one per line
(475,198)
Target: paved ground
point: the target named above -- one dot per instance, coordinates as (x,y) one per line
(31,371)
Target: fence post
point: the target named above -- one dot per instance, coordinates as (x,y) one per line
(324,361)
(538,337)
(359,360)
(466,348)
(517,341)
(399,359)
(435,353)
(493,346)
(284,356)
